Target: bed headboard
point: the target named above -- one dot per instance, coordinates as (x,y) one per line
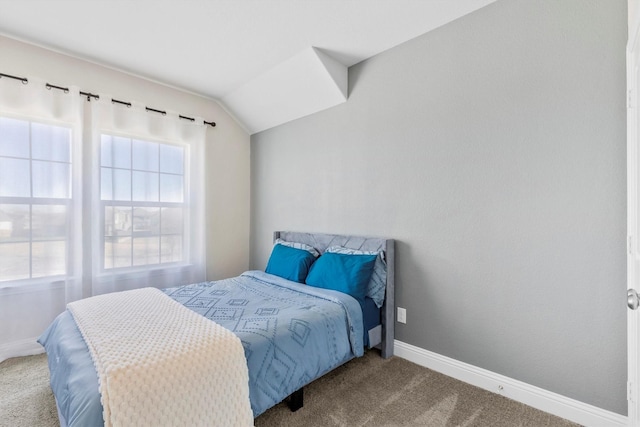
(322,241)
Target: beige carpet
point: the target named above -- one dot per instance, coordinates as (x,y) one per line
(368,391)
(25,396)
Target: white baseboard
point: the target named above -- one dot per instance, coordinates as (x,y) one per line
(25,347)
(519,391)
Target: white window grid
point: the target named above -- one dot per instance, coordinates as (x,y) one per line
(30,239)
(132,230)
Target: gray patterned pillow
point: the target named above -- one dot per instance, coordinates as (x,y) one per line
(297,245)
(378,282)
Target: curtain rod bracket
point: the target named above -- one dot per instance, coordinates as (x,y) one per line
(89,95)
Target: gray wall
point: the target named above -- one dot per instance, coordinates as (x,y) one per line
(493,150)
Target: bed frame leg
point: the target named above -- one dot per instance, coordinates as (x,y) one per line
(295,401)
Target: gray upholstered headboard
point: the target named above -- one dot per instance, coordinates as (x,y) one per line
(323,241)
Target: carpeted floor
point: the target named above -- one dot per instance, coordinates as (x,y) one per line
(368,391)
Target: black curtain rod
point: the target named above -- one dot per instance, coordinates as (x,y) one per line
(22,79)
(90,95)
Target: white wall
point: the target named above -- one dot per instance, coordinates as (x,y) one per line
(633,7)
(227,152)
(494,150)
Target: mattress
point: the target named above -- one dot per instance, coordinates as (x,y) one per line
(291,334)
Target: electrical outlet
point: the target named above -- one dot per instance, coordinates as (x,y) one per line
(402,315)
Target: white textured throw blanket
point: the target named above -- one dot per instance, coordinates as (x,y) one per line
(161,364)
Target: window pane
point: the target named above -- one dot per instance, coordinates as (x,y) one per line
(51,179)
(145,155)
(106,147)
(14,223)
(117,252)
(121,184)
(171,159)
(48,258)
(145,186)
(14,178)
(50,142)
(106,184)
(49,222)
(171,188)
(171,220)
(171,248)
(14,137)
(146,221)
(118,221)
(115,151)
(115,184)
(14,261)
(118,226)
(146,250)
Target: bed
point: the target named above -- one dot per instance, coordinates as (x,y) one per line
(292,333)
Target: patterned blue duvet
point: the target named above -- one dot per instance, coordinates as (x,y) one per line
(291,333)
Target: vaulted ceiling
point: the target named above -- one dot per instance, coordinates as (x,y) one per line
(266,61)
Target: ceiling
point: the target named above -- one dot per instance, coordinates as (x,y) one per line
(225,48)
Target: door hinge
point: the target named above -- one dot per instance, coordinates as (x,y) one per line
(629,98)
(629,391)
(630,245)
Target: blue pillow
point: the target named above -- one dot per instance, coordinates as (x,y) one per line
(349,274)
(378,282)
(289,263)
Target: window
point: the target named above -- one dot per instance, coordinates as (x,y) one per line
(35,195)
(86,207)
(142,193)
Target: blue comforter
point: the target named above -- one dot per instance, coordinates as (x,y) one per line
(291,333)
